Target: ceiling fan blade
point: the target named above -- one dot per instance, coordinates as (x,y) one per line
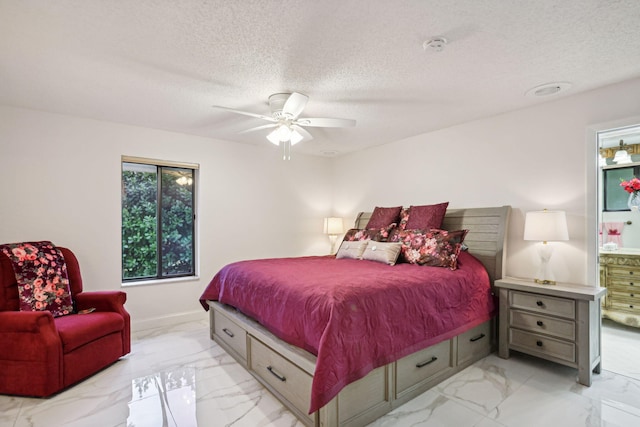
(294,105)
(246,113)
(325,122)
(270,125)
(302,131)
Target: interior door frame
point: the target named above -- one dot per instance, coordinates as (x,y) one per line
(593,185)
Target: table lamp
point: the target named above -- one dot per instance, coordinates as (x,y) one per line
(545,226)
(333,227)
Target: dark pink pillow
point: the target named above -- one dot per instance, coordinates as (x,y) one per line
(384,217)
(425,217)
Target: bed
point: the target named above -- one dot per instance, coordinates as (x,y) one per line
(339,365)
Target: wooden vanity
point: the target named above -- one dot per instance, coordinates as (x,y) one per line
(620,274)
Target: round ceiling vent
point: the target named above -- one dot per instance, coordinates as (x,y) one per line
(548,89)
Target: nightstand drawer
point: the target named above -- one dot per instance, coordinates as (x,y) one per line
(561,307)
(539,323)
(230,333)
(541,345)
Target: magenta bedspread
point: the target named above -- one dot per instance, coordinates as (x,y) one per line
(355,315)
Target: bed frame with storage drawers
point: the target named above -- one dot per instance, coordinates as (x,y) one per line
(287,371)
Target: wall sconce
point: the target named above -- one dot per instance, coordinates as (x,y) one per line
(622,156)
(333,227)
(545,226)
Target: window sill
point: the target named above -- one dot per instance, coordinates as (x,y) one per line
(160,281)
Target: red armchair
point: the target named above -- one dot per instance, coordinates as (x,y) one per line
(41,355)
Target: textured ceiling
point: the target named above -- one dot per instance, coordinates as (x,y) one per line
(163,64)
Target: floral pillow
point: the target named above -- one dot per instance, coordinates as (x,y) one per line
(41,273)
(379,234)
(383,217)
(433,247)
(423,217)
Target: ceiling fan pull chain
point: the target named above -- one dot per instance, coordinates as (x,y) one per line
(286,150)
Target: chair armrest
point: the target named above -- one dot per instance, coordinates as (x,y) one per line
(27,321)
(101,301)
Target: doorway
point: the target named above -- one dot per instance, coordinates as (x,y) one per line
(618,218)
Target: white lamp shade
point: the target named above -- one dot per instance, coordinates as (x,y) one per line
(622,157)
(546,226)
(333,225)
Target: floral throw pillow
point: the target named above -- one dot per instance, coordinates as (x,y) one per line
(377,234)
(41,273)
(433,247)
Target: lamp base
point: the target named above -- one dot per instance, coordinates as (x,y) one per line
(544,275)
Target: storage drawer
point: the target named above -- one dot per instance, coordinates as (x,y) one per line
(474,342)
(623,271)
(542,345)
(622,293)
(543,324)
(625,306)
(421,365)
(561,307)
(231,333)
(284,377)
(631,282)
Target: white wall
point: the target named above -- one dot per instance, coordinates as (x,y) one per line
(534,158)
(60,181)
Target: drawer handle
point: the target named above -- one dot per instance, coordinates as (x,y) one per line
(539,343)
(228,332)
(540,323)
(479,337)
(426,362)
(275,374)
(539,303)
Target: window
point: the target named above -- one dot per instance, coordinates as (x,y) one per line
(615,198)
(158,219)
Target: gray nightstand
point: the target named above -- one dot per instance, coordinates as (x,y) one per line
(559,322)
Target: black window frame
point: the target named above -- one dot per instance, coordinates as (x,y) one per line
(161,168)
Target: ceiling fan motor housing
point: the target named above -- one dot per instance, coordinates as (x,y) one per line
(276,104)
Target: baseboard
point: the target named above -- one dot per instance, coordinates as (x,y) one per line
(172,319)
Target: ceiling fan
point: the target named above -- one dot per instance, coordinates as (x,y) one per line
(286,121)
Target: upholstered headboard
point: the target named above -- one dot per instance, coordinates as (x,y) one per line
(487,237)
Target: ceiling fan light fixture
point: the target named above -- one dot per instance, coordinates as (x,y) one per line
(273,137)
(295,137)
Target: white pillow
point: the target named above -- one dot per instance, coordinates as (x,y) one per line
(385,252)
(352,249)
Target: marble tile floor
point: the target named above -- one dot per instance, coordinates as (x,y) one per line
(177,376)
(621,349)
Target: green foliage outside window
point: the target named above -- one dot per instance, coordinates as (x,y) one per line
(157,222)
